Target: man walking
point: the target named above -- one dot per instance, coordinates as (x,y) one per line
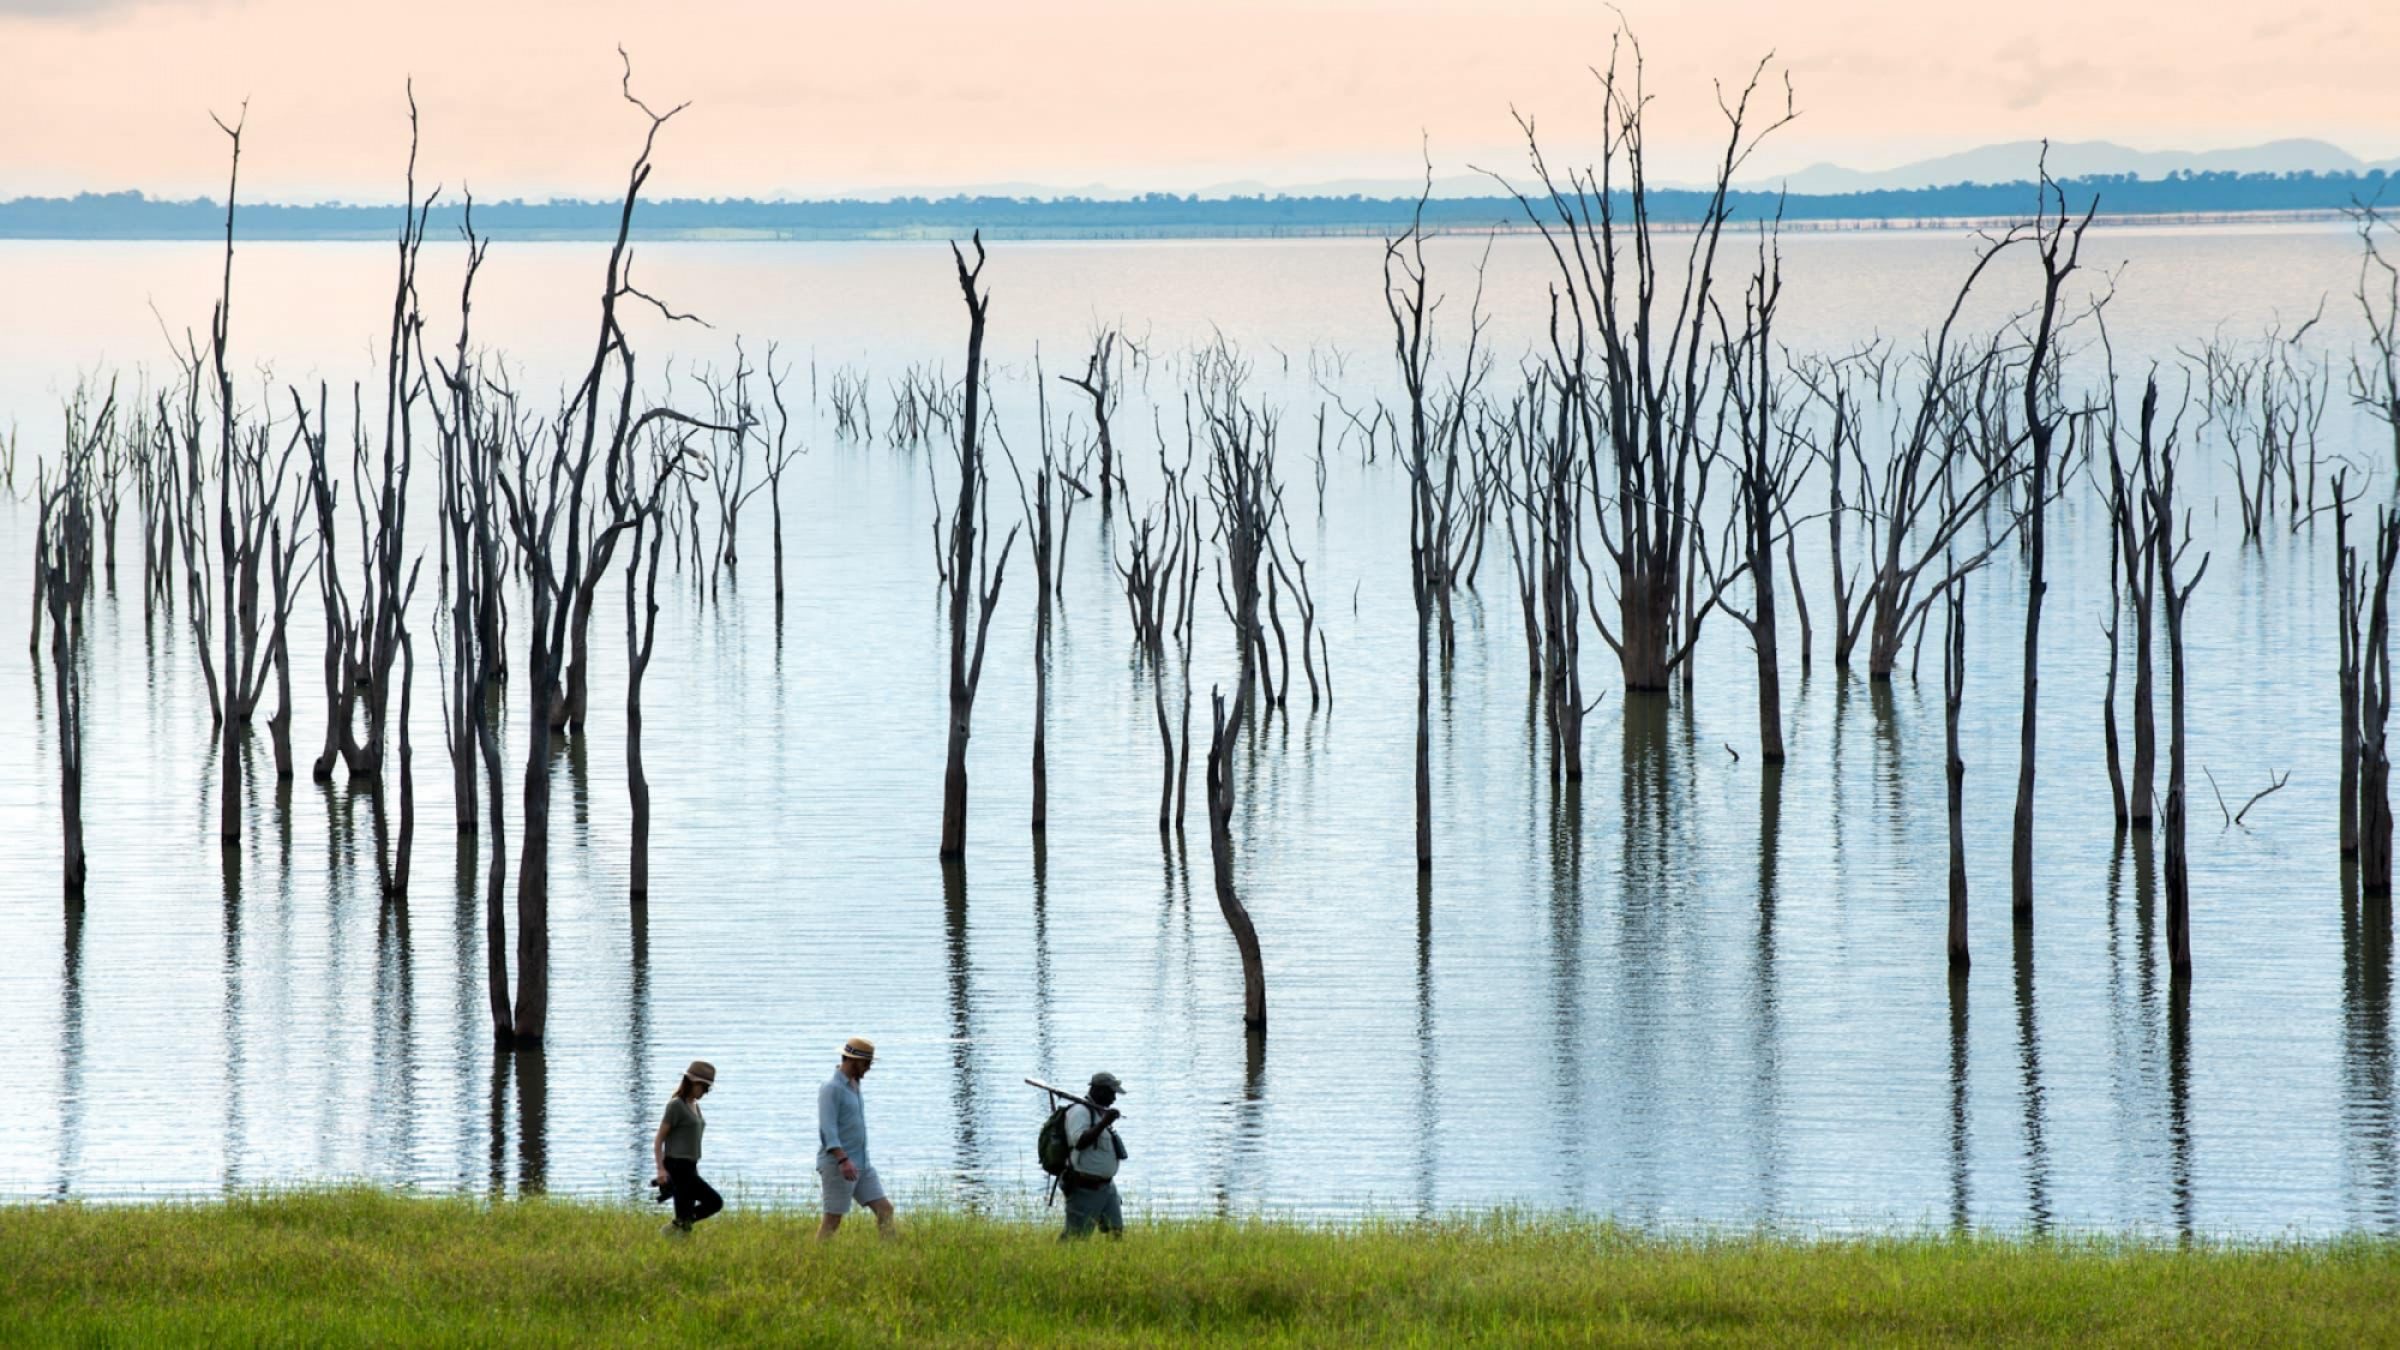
(842,1167)
(1090,1181)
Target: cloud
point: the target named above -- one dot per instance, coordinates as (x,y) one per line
(2026,79)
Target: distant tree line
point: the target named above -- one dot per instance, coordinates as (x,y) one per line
(131,215)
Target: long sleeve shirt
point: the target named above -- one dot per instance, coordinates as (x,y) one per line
(842,1118)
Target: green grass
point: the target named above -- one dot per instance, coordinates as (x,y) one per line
(361,1265)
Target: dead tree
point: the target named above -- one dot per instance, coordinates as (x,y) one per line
(249,494)
(1241,477)
(2375,762)
(229,568)
(1098,383)
(469,438)
(1161,577)
(1768,469)
(368,645)
(542,494)
(1654,363)
(474,435)
(110,466)
(1287,570)
(187,496)
(2349,588)
(729,462)
(1041,507)
(2375,377)
(2058,246)
(1954,770)
(973,580)
(62,565)
(1910,503)
(1438,533)
(641,637)
(2134,549)
(2160,500)
(1544,491)
(779,458)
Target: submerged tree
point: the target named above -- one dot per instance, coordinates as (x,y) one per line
(968,570)
(1049,506)
(780,455)
(541,493)
(1644,427)
(641,636)
(62,572)
(2375,376)
(1241,486)
(2059,247)
(1769,467)
(2351,598)
(2375,762)
(2159,498)
(1440,509)
(1098,383)
(1931,489)
(1161,578)
(2134,549)
(1954,769)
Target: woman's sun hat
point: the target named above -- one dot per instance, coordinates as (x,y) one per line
(702,1072)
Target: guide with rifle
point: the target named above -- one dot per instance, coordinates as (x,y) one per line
(1079,1145)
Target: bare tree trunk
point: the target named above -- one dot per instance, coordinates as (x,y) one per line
(637,664)
(1220,841)
(2108,697)
(408,776)
(2168,552)
(64,532)
(1424,731)
(2348,592)
(970,577)
(2375,766)
(1954,688)
(2058,247)
(532,1012)
(279,726)
(495,906)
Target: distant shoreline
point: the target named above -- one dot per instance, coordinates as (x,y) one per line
(2203,199)
(931,233)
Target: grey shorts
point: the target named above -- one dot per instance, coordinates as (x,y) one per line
(840,1194)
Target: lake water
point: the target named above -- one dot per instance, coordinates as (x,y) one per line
(1676,997)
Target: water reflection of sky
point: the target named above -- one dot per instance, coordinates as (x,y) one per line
(1683,993)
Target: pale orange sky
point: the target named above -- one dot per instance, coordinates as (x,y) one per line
(519,98)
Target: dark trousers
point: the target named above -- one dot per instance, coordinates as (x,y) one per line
(694,1199)
(1091,1202)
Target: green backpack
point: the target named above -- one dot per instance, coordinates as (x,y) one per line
(1053,1145)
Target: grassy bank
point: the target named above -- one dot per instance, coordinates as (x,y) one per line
(355,1266)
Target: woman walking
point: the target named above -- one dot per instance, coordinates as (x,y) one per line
(676,1147)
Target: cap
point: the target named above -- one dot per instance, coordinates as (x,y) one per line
(1108,1081)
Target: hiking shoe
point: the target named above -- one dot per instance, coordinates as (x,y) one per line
(675,1230)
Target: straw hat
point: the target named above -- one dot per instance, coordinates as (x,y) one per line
(860,1049)
(702,1072)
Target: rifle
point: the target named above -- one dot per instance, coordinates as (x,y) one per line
(1057,1094)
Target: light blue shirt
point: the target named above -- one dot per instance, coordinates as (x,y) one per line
(842,1118)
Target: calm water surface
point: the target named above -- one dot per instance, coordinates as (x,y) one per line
(1687,994)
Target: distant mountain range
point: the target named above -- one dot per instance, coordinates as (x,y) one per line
(2008,162)
(2017,162)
